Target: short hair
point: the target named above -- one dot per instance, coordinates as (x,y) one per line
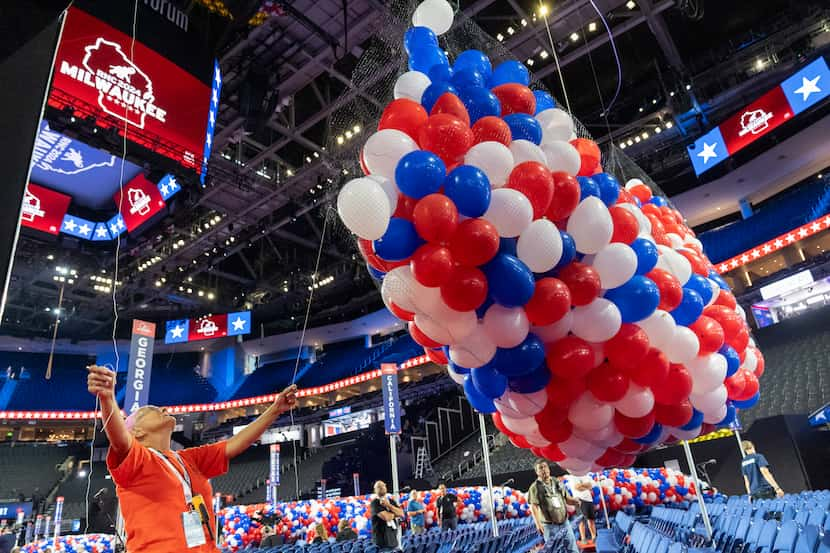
(746,444)
(539,463)
(344,523)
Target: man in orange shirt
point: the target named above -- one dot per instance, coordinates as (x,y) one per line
(162,493)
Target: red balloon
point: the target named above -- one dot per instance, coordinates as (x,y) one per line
(565,196)
(519,441)
(446,136)
(751,386)
(627,445)
(475,242)
(435,218)
(555,431)
(563,392)
(607,383)
(515,98)
(628,347)
(405,207)
(436,356)
(570,357)
(450,103)
(759,368)
(491,129)
(611,458)
(421,338)
(553,453)
(626,227)
(731,323)
(648,209)
(735,384)
(552,415)
(499,423)
(739,341)
(533,179)
(633,427)
(431,265)
(709,334)
(675,388)
(726,299)
(699,265)
(625,197)
(675,415)
(588,153)
(628,460)
(404,115)
(400,312)
(465,288)
(583,282)
(671,292)
(550,302)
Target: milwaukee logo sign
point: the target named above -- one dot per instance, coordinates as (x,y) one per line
(754,122)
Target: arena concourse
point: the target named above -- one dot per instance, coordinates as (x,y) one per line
(424,276)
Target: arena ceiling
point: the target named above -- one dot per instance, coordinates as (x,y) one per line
(251,236)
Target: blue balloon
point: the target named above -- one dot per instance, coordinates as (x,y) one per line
(510,282)
(690,308)
(510,71)
(747,403)
(474,59)
(480,102)
(531,382)
(524,127)
(609,188)
(463,79)
(440,72)
(479,402)
(420,173)
(508,246)
(694,422)
(647,254)
(399,241)
(568,250)
(652,437)
(469,188)
(375,274)
(731,413)
(588,187)
(733,361)
(419,37)
(659,201)
(482,309)
(543,101)
(700,285)
(636,299)
(435,91)
(718,279)
(423,59)
(489,382)
(521,360)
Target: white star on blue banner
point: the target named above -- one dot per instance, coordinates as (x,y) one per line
(116,226)
(77,226)
(177,331)
(213,112)
(807,87)
(239,323)
(168,186)
(100,233)
(708,151)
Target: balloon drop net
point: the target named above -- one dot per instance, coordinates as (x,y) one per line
(559,286)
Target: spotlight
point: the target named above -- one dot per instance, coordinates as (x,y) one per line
(524,22)
(657,130)
(592,26)
(637,139)
(530,62)
(510,31)
(543,54)
(82,473)
(158,284)
(645,135)
(630,4)
(349,134)
(654,100)
(574,37)
(688,87)
(500,37)
(543,10)
(629,142)
(210,295)
(356,129)
(201,293)
(641,110)
(340,140)
(669,124)
(622,145)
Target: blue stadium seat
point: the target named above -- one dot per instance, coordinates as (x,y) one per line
(785,540)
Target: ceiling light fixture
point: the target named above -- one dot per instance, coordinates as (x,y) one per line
(500,37)
(630,4)
(592,26)
(510,31)
(574,37)
(543,10)
(543,54)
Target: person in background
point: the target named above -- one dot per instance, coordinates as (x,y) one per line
(6,540)
(270,538)
(384,512)
(548,501)
(760,484)
(447,515)
(581,489)
(344,531)
(416,509)
(320,534)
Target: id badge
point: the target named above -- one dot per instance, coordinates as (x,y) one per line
(194,533)
(556,501)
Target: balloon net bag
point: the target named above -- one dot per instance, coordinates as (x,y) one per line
(560,288)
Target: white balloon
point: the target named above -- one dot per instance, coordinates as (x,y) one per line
(676,241)
(522,426)
(456,377)
(590,225)
(434,14)
(562,156)
(556,331)
(411,85)
(527,404)
(707,372)
(364,208)
(715,416)
(577,467)
(710,402)
(659,327)
(681,434)
(598,321)
(616,263)
(575,446)
(674,263)
(510,212)
(474,351)
(505,407)
(596,436)
(525,150)
(556,125)
(451,328)
(683,347)
(631,183)
(540,246)
(643,221)
(506,327)
(390,188)
(590,413)
(750,361)
(638,401)
(384,149)
(536,439)
(740,311)
(494,159)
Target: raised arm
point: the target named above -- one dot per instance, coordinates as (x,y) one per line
(101,382)
(286,400)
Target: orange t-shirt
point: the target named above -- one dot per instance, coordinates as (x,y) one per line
(152,500)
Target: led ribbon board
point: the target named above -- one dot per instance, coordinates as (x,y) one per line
(804,89)
(207,327)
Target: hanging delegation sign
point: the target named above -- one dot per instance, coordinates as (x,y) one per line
(391,405)
(58,517)
(275,464)
(137,392)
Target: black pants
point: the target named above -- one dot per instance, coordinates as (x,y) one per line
(449,524)
(764,493)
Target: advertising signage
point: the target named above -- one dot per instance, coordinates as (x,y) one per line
(806,88)
(207,327)
(99,71)
(43,209)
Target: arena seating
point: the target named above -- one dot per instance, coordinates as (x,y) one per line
(25,467)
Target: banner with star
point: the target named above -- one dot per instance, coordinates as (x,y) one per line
(795,94)
(213,112)
(207,327)
(44,209)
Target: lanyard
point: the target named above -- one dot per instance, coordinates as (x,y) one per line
(183,476)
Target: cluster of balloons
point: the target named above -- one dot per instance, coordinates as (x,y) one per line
(581,313)
(92,543)
(299,518)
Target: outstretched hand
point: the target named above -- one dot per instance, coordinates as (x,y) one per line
(287,399)
(101,382)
